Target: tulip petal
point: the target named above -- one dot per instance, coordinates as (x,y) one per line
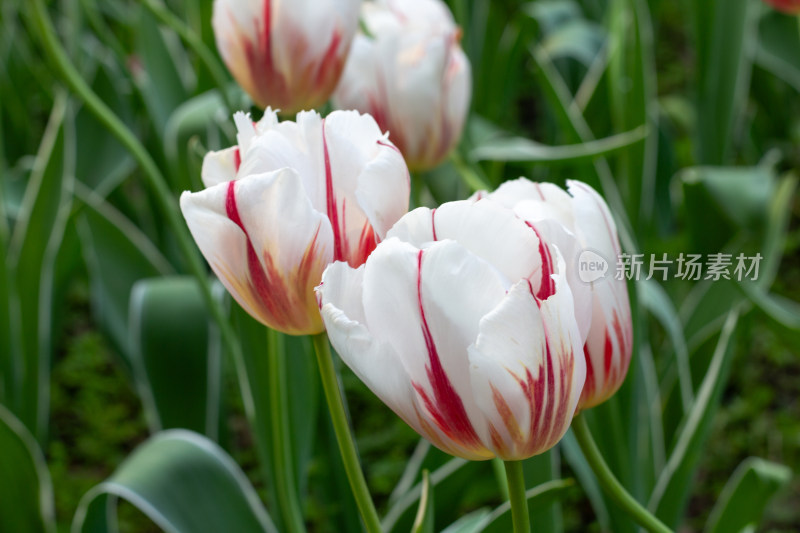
(427,304)
(384,186)
(375,362)
(267,245)
(478,228)
(569,248)
(221,166)
(349,144)
(527,370)
(610,342)
(534,201)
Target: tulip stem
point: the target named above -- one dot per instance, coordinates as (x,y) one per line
(344,437)
(279,429)
(609,482)
(516,492)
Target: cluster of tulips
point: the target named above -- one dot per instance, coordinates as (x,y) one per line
(468,320)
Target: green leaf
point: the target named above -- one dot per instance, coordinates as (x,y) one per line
(672,488)
(162,76)
(632,91)
(413,466)
(7,377)
(454,473)
(738,196)
(108,163)
(577,39)
(26,493)
(117,255)
(782,310)
(32,254)
(423,523)
(193,119)
(470,523)
(725,35)
(655,299)
(176,355)
(520,149)
(746,494)
(586,478)
(778,44)
(184,483)
(779,216)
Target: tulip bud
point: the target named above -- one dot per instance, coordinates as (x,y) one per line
(411,74)
(584,214)
(287,55)
(290,198)
(462,322)
(787,6)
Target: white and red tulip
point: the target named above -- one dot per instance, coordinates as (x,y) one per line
(287,55)
(462,322)
(583,214)
(411,74)
(288,200)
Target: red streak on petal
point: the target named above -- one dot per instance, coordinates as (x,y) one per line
(265,37)
(539,190)
(388,145)
(329,60)
(589,386)
(237,159)
(339,244)
(446,407)
(433,223)
(548,286)
(608,354)
(366,244)
(282,299)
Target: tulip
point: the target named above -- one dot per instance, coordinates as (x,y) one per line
(290,198)
(288,55)
(462,322)
(787,6)
(584,214)
(411,74)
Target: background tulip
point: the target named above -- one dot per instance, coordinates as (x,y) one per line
(411,74)
(584,214)
(288,55)
(287,200)
(787,6)
(463,323)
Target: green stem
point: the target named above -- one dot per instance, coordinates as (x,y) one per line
(279,430)
(168,18)
(344,437)
(610,485)
(155,180)
(516,491)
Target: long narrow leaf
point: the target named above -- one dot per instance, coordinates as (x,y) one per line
(520,149)
(726,33)
(26,493)
(32,252)
(746,494)
(671,492)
